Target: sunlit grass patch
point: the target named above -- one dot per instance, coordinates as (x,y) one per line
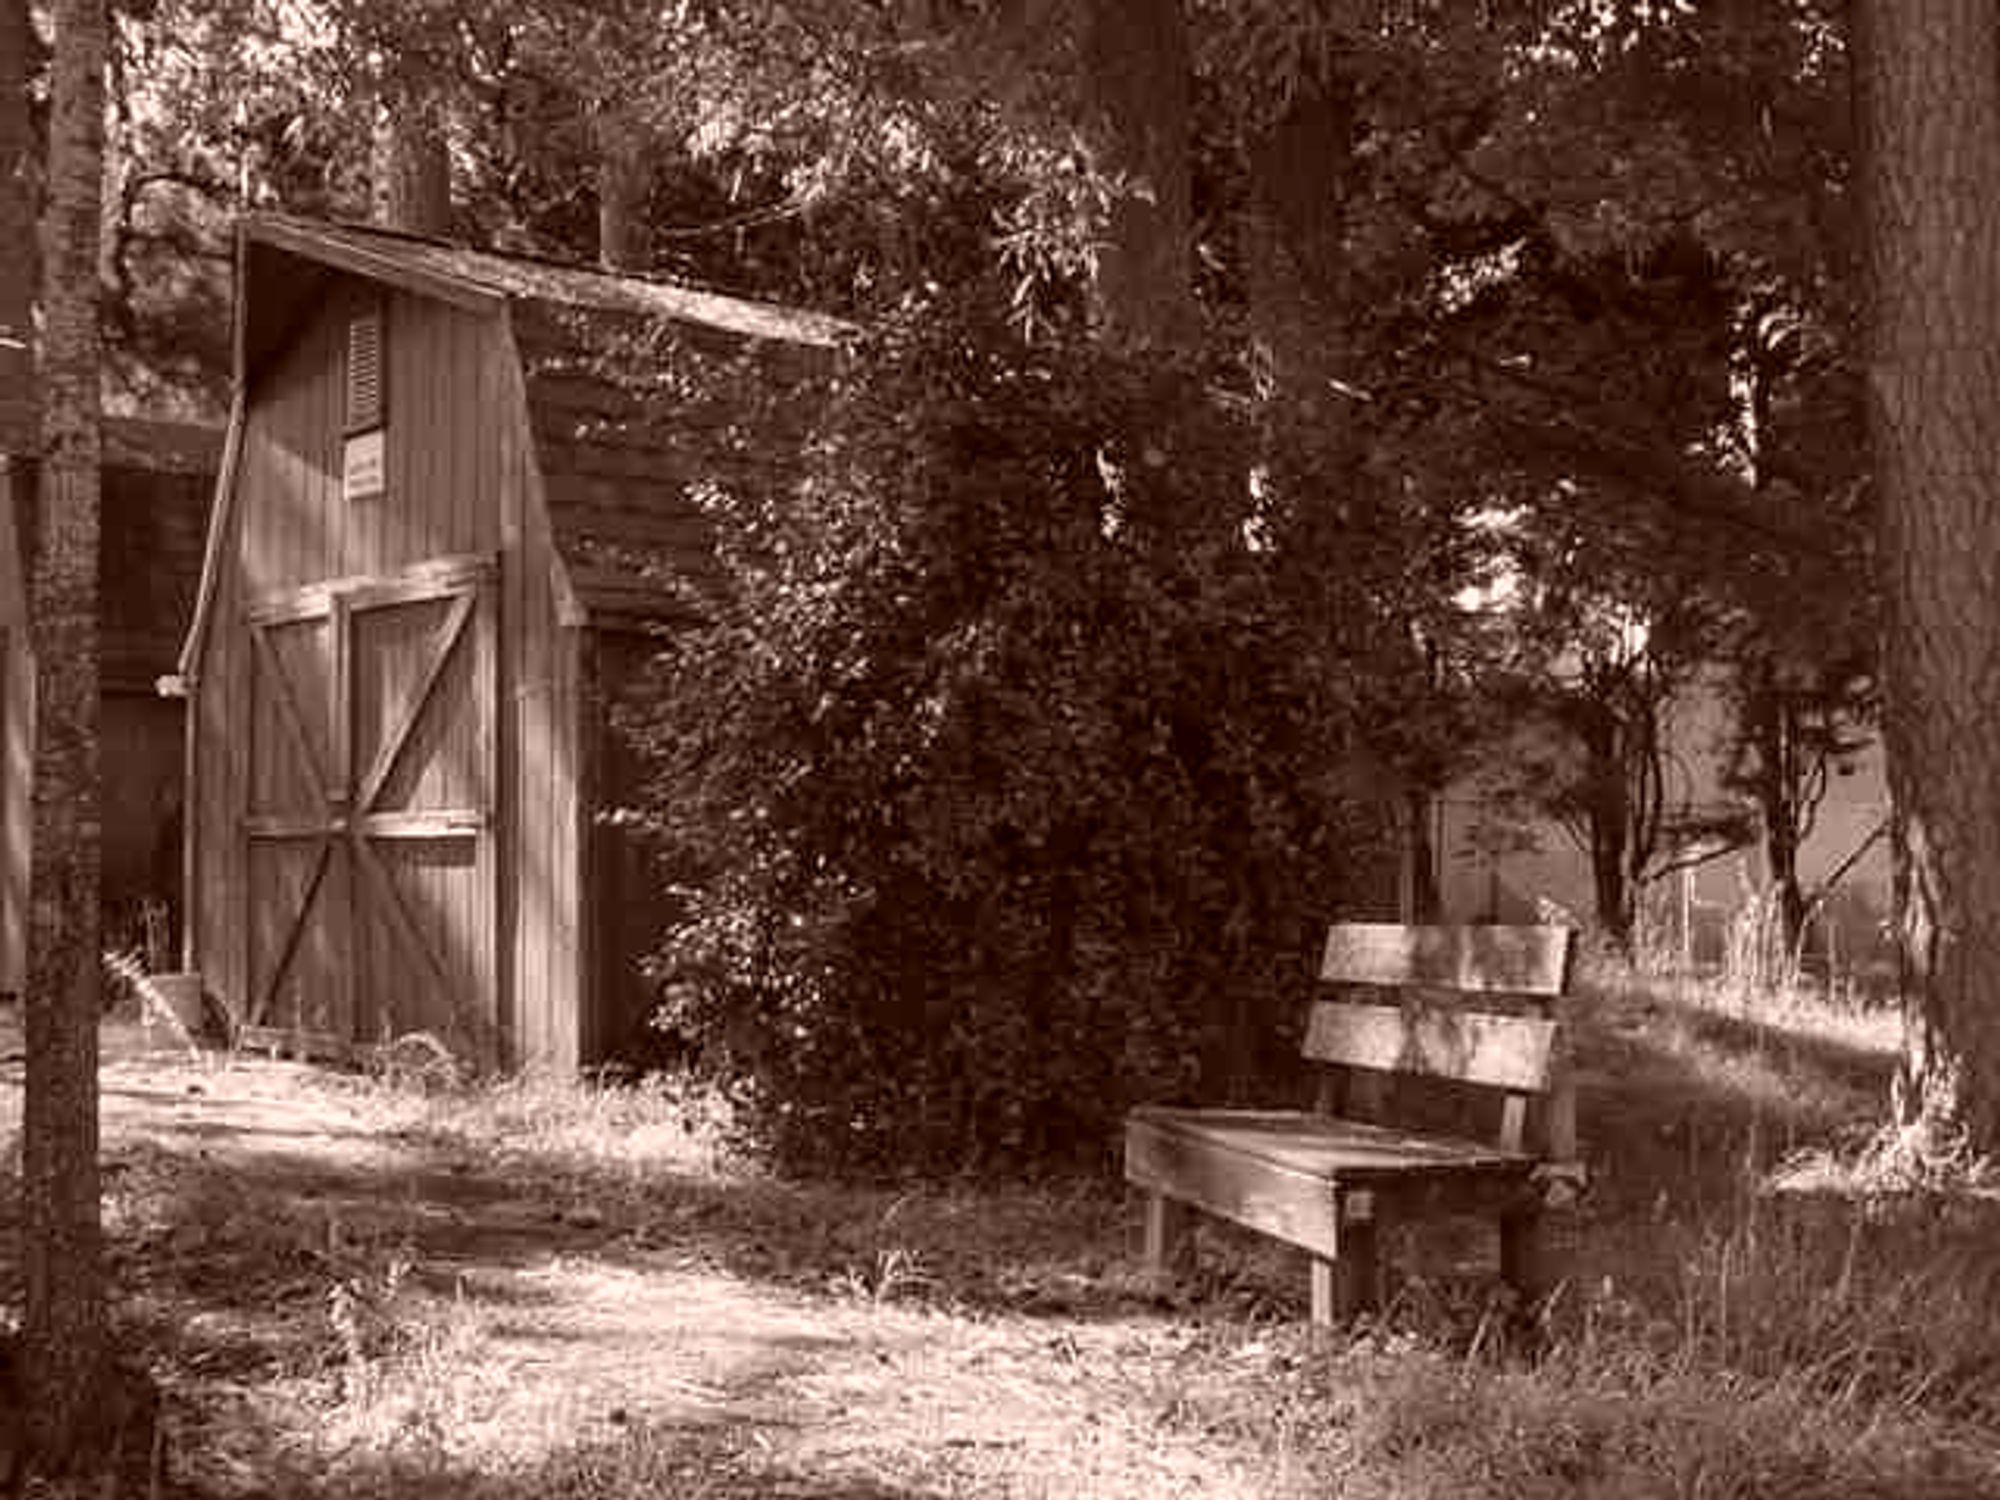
(413,1283)
(656,1125)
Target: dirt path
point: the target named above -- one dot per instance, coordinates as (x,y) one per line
(345,1308)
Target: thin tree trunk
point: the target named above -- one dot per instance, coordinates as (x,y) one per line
(1294,250)
(1607,817)
(1137,67)
(621,192)
(410,173)
(1613,893)
(17,222)
(64,1342)
(1928,98)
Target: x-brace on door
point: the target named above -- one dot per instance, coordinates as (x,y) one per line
(369,826)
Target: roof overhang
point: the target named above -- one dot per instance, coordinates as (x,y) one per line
(283,267)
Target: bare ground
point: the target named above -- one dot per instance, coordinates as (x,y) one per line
(340,1303)
(404,1287)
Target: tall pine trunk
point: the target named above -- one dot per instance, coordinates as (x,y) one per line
(1928,101)
(1137,73)
(64,1341)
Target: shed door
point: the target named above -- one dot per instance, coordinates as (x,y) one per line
(371,909)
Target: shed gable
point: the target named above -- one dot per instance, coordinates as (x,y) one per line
(433,473)
(398,744)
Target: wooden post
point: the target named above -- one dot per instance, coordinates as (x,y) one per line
(1169,1239)
(1325,1293)
(1360,1265)
(1521,1261)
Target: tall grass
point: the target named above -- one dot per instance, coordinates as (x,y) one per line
(1733,1327)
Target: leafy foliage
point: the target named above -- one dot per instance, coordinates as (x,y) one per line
(1014,783)
(1580,266)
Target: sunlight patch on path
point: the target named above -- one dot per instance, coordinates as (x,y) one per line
(477,1338)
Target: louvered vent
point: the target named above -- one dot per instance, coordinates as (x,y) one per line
(364,370)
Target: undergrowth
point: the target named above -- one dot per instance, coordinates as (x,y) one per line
(1757,1305)
(1723,1334)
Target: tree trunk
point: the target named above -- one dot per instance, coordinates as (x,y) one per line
(1928,108)
(64,1342)
(1784,816)
(17,223)
(1605,814)
(410,173)
(1424,901)
(1611,890)
(1296,259)
(621,192)
(1137,70)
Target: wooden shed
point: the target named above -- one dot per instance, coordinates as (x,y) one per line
(461,495)
(158,477)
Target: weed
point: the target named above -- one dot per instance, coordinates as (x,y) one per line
(1763,1300)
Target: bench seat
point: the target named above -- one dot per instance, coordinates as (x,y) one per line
(1313,1181)
(1340,1151)
(1327,1179)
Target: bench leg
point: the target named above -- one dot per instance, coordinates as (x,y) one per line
(1169,1238)
(1343,1288)
(1522,1263)
(1360,1288)
(1325,1293)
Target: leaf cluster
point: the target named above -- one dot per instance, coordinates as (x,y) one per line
(1013,779)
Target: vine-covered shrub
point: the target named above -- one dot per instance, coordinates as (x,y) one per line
(1019,771)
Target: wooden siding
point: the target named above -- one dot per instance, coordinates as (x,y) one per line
(396,902)
(141,801)
(155,501)
(149,564)
(497,450)
(219,763)
(442,465)
(629,907)
(541,860)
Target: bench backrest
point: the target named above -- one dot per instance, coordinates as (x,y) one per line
(1431,1031)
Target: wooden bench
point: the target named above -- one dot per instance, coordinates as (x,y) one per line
(1331,1179)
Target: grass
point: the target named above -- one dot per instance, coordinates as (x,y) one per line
(408,1285)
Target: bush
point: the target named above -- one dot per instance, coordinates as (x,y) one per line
(1021,769)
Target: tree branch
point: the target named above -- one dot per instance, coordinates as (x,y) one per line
(1582,431)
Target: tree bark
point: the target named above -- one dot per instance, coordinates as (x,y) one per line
(1783,791)
(621,192)
(1137,70)
(17,222)
(410,173)
(1928,108)
(64,1340)
(1295,257)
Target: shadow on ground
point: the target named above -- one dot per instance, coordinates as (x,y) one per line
(261,1212)
(709,1461)
(1682,1106)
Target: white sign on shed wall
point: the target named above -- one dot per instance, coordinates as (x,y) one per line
(363,471)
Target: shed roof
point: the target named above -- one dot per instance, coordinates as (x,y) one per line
(640,392)
(393,255)
(478,278)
